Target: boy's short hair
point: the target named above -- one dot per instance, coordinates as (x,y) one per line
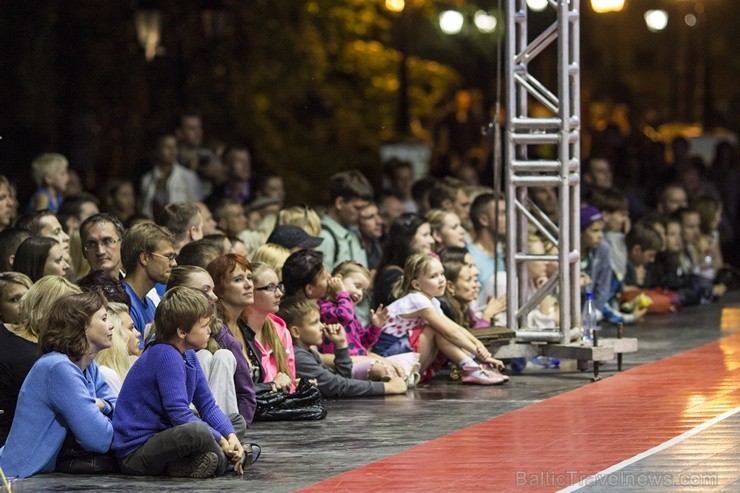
(200,252)
(479,206)
(31,221)
(10,240)
(301,269)
(179,217)
(609,200)
(445,189)
(643,234)
(349,184)
(294,310)
(681,213)
(142,238)
(47,163)
(180,308)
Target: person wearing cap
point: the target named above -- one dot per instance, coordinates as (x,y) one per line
(595,259)
(293,238)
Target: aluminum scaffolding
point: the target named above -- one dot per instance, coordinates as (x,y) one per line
(559,133)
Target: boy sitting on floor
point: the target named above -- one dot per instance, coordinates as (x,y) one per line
(302,318)
(155,432)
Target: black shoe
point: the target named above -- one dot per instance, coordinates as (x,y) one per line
(194,466)
(252,452)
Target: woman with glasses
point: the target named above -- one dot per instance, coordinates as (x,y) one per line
(268,332)
(237,289)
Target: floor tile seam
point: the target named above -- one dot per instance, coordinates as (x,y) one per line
(537,404)
(658,448)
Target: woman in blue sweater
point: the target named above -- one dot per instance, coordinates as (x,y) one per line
(155,431)
(64,402)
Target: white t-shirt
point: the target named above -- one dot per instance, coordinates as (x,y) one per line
(398,326)
(111,378)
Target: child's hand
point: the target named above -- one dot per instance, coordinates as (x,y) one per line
(336,335)
(495,363)
(585,279)
(482,353)
(378,317)
(639,312)
(494,307)
(282,382)
(395,385)
(333,286)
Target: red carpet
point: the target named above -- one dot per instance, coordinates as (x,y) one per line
(557,442)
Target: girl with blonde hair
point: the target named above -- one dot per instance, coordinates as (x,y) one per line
(272,255)
(115,362)
(13,286)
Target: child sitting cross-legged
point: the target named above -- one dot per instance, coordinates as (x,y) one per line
(155,432)
(301,315)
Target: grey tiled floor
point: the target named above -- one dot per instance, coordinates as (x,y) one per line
(361,431)
(707,461)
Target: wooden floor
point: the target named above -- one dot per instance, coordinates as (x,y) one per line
(666,423)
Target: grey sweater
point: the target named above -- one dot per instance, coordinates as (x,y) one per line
(339,384)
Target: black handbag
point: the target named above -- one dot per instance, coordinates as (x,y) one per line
(303,404)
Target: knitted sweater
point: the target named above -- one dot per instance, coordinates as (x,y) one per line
(56,398)
(342,311)
(156,396)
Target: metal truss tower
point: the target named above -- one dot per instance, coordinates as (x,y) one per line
(531,132)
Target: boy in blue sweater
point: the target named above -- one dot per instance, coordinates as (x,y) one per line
(155,432)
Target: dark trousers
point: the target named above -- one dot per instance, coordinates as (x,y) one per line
(152,458)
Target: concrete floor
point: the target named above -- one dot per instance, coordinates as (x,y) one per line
(358,432)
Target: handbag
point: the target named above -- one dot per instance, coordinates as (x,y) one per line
(304,404)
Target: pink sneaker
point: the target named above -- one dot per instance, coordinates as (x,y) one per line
(490,369)
(481,376)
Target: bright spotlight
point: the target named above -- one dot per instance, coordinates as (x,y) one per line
(656,20)
(451,21)
(395,5)
(485,22)
(537,5)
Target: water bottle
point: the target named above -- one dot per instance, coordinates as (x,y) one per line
(588,320)
(545,361)
(706,273)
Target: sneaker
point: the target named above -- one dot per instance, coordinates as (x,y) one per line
(252,452)
(490,369)
(194,466)
(480,376)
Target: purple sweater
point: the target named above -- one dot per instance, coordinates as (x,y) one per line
(245,394)
(156,396)
(342,312)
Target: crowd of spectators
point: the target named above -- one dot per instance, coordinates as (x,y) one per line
(140,325)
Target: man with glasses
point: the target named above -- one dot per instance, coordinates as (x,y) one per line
(148,257)
(101,236)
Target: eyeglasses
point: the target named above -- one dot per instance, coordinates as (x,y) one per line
(272,287)
(106,243)
(170,258)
